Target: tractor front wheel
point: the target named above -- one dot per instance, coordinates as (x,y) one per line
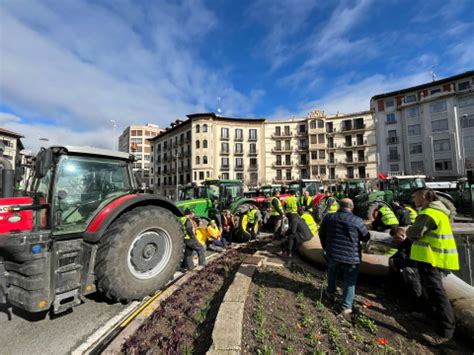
(373,209)
(139,253)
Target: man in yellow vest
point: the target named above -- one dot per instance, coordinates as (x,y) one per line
(303,228)
(434,249)
(277,214)
(251,220)
(190,241)
(291,207)
(306,201)
(385,219)
(217,242)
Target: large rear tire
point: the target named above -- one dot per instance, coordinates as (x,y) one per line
(139,253)
(372,210)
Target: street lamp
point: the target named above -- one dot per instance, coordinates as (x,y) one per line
(177,176)
(114,126)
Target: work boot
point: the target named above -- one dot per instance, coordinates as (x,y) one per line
(435,339)
(330,297)
(347,315)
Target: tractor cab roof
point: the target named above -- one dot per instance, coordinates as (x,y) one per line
(406,177)
(92,151)
(217,181)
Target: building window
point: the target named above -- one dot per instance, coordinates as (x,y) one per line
(439,106)
(204,143)
(389,103)
(468,142)
(466,101)
(468,121)
(322,154)
(204,128)
(312,124)
(204,159)
(412,112)
(394,167)
(225,148)
(314,155)
(208,173)
(239,148)
(414,130)
(391,118)
(322,170)
(416,148)
(201,175)
(321,138)
(253,162)
(198,144)
(239,162)
(288,174)
(417,167)
(442,145)
(435,91)
(195,176)
(239,176)
(198,128)
(253,148)
(410,98)
(198,160)
(287,130)
(225,176)
(439,125)
(442,165)
(239,133)
(320,123)
(224,162)
(302,129)
(278,174)
(253,134)
(277,131)
(224,133)
(464,85)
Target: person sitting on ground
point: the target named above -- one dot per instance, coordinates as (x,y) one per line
(340,234)
(190,241)
(402,214)
(385,219)
(402,266)
(214,236)
(302,229)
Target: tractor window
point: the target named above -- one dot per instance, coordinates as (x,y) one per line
(83,187)
(419,183)
(312,187)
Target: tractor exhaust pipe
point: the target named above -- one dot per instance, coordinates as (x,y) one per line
(8,177)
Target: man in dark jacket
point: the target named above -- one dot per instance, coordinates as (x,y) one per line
(190,241)
(300,230)
(341,234)
(402,214)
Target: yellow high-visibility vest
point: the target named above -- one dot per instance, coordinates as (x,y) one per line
(183,221)
(437,247)
(312,225)
(274,211)
(388,217)
(334,207)
(213,232)
(292,204)
(413,214)
(252,215)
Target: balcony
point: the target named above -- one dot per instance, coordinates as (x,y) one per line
(238,152)
(350,176)
(224,138)
(281,135)
(224,167)
(238,138)
(224,152)
(360,143)
(252,139)
(393,157)
(332,161)
(301,163)
(332,146)
(317,146)
(303,148)
(356,127)
(282,165)
(181,141)
(253,167)
(253,152)
(239,168)
(331,131)
(392,140)
(301,134)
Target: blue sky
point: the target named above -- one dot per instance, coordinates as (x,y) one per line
(69,67)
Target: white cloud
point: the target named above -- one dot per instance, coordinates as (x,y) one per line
(121,62)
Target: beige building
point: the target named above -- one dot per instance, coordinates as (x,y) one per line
(134,140)
(209,146)
(13,146)
(427,129)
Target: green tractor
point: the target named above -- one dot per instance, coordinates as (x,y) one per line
(209,200)
(395,188)
(350,188)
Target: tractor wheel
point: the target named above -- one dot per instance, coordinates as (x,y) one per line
(372,210)
(139,253)
(450,206)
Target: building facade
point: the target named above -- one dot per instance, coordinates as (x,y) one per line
(427,129)
(134,140)
(13,146)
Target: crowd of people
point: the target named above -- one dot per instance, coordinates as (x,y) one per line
(425,246)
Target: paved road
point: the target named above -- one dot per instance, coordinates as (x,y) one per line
(22,334)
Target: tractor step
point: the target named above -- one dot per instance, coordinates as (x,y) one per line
(66,300)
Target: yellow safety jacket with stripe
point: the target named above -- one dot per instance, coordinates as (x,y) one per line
(251,215)
(213,232)
(437,247)
(312,225)
(388,217)
(413,214)
(274,211)
(292,204)
(306,202)
(334,207)
(183,221)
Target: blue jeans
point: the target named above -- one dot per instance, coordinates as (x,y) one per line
(350,278)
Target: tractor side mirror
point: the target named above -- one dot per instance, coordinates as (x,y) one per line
(44,161)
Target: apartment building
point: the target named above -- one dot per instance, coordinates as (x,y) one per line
(207,145)
(13,146)
(134,140)
(351,147)
(286,150)
(427,129)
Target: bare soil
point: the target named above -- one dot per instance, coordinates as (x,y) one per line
(287,314)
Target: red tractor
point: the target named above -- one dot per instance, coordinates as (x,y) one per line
(81,225)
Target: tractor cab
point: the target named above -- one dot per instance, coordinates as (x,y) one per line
(223,192)
(403,186)
(350,188)
(191,191)
(314,187)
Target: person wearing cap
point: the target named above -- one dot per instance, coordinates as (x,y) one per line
(306,202)
(217,242)
(251,220)
(435,252)
(190,241)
